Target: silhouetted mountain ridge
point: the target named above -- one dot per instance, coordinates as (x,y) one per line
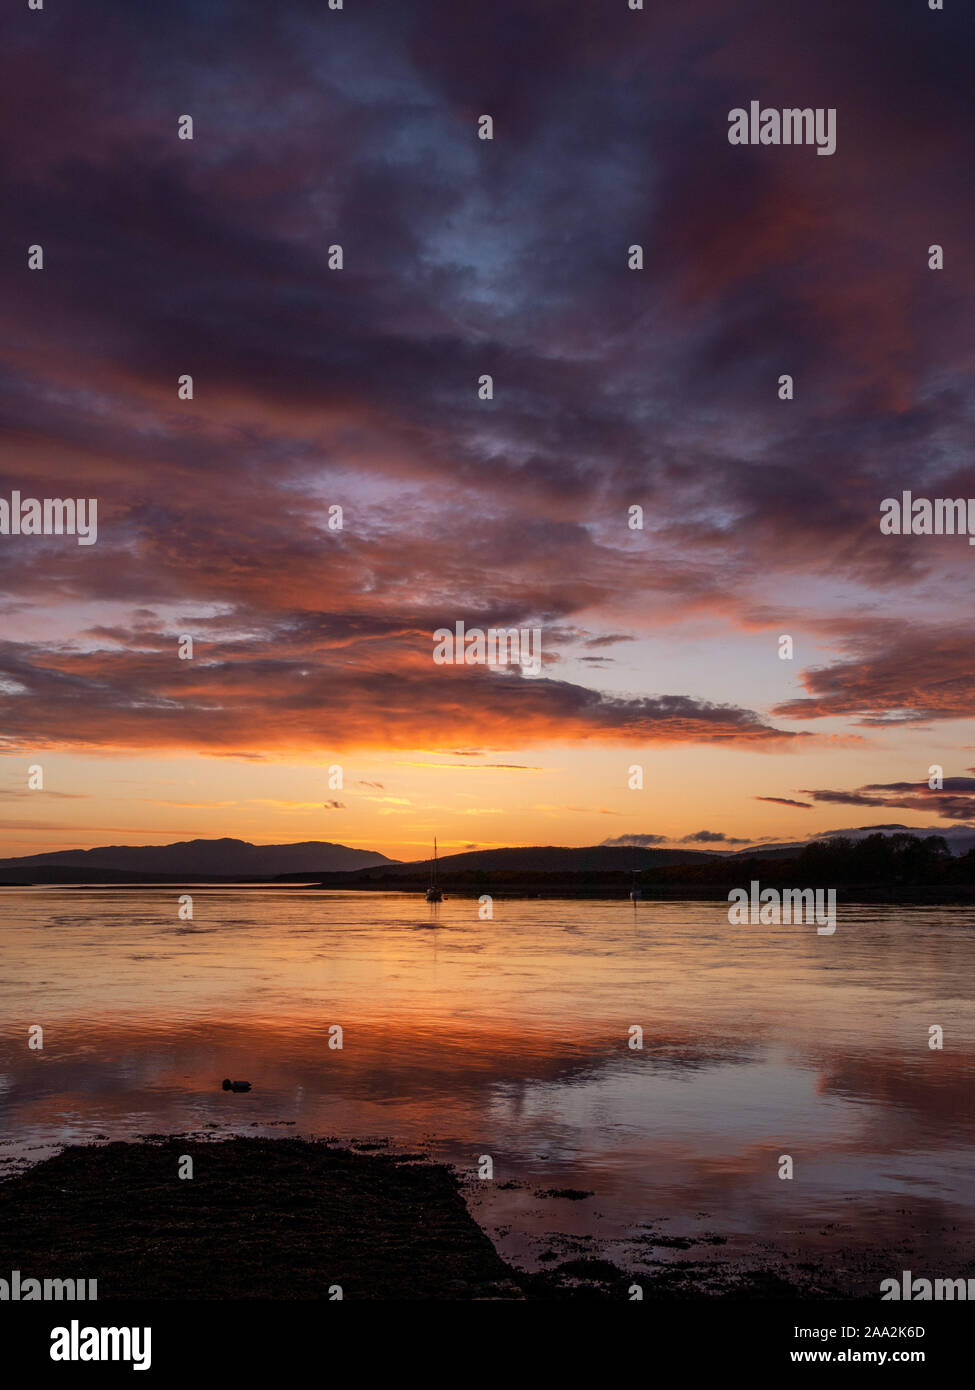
(223,858)
(545,859)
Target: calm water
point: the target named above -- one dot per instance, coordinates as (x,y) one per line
(509,1038)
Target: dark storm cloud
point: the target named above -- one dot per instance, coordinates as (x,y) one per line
(841,798)
(954,800)
(711,837)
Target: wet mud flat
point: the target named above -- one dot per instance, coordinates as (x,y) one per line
(260,1218)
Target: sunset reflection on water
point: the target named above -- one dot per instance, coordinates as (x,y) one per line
(509,1038)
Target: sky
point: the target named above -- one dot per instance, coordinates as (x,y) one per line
(357,388)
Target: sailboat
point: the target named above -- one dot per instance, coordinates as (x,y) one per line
(434,894)
(635,894)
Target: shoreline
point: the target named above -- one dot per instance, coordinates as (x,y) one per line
(301,1219)
(915,895)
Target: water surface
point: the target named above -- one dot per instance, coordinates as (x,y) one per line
(509,1038)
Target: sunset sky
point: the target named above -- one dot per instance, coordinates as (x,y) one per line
(358,388)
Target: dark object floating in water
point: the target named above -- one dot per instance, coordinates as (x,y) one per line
(229,1085)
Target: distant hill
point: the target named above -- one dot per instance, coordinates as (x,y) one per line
(552,870)
(193,859)
(550,859)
